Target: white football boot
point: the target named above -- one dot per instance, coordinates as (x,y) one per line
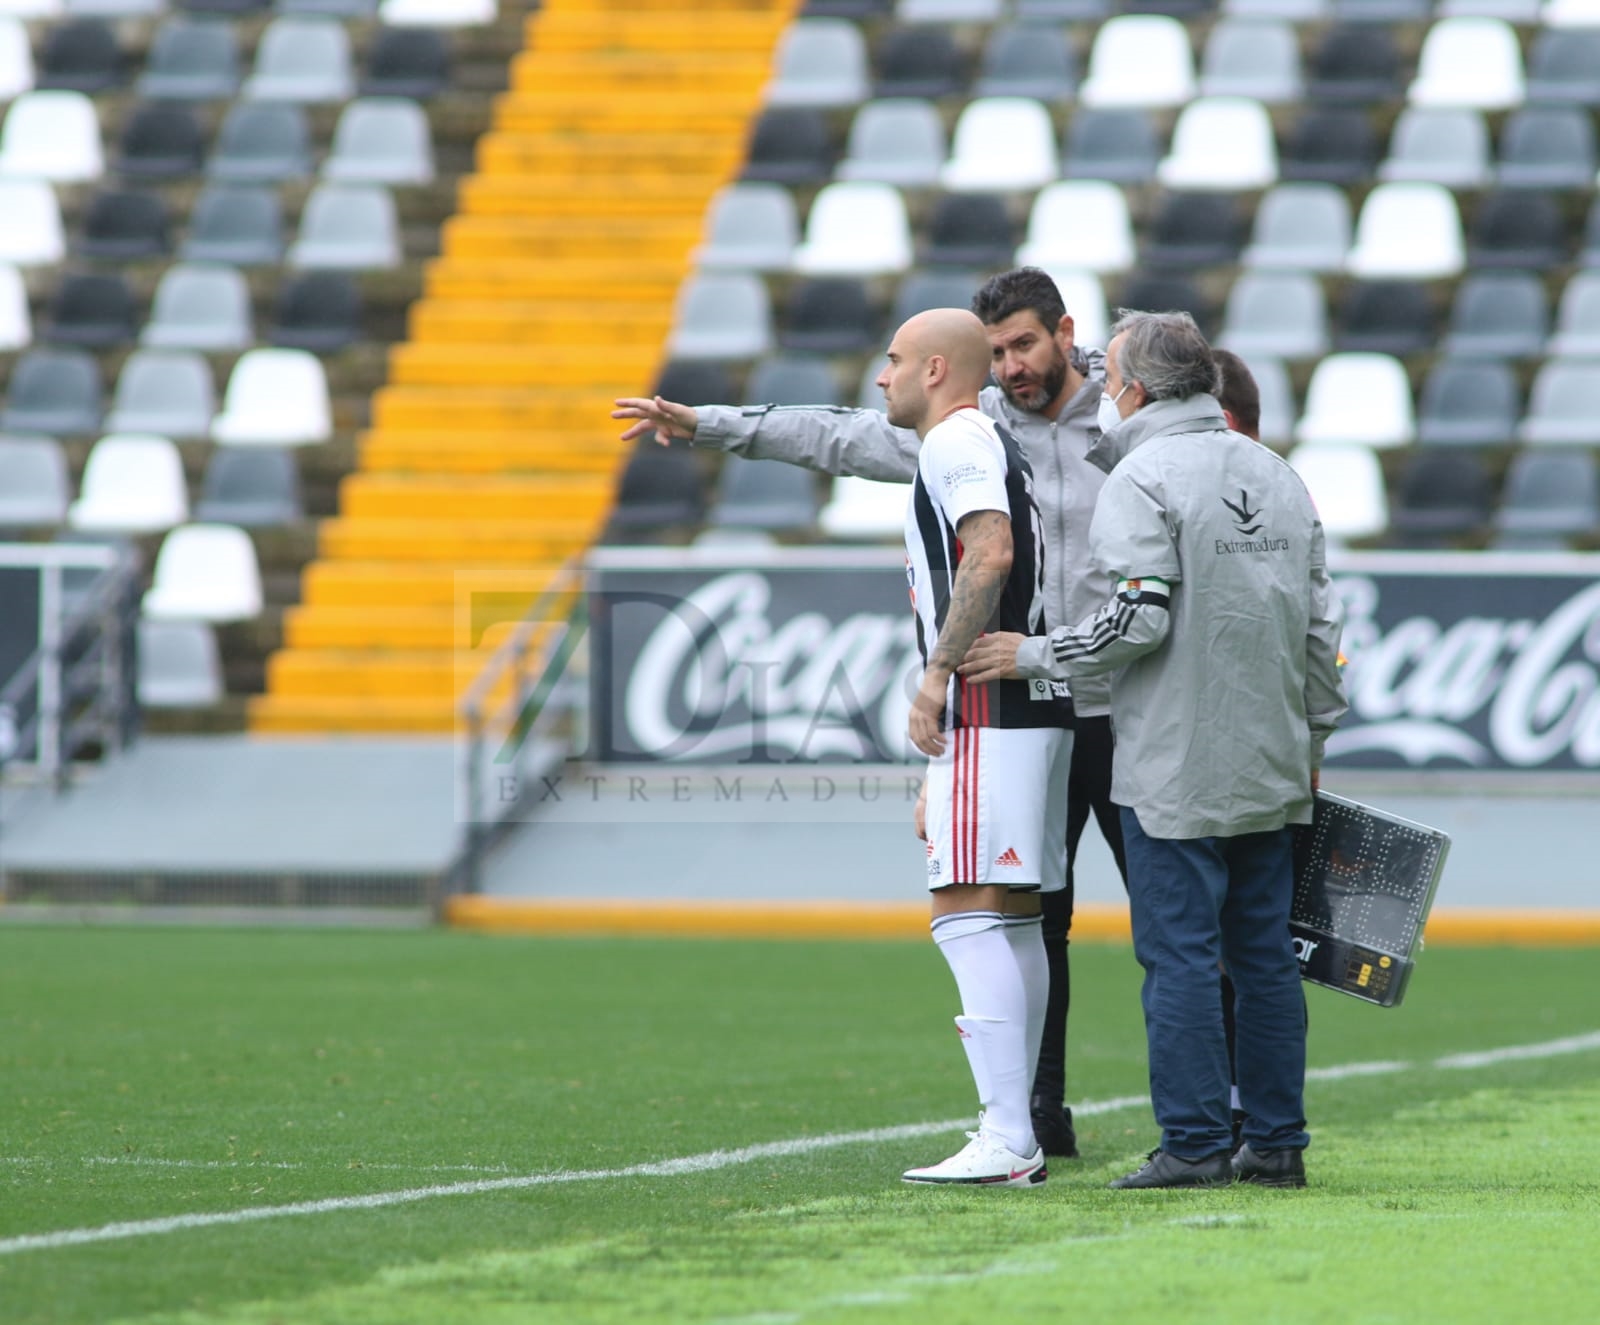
(985,1161)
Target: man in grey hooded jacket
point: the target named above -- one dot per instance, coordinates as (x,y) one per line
(1221,641)
(1047,396)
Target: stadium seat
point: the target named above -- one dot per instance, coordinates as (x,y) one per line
(91,309)
(1513,11)
(855,229)
(53,136)
(406,62)
(1221,143)
(694,382)
(332,8)
(947,11)
(969,230)
(820,62)
(1355,63)
(117,8)
(1278,313)
(1517,228)
(351,227)
(53,391)
(132,484)
(1469,402)
(122,225)
(1139,60)
(381,141)
(1498,315)
(32,235)
(1330,145)
(180,665)
(1069,10)
(764,494)
(1085,301)
(792,379)
(1570,14)
(160,141)
(1547,147)
(1550,495)
(191,60)
(856,9)
(722,315)
(899,141)
(1079,223)
(1303,227)
(1448,146)
(205,572)
(829,315)
(234,223)
(662,487)
(920,62)
(1001,143)
(1443,497)
(864,508)
(1386,317)
(1278,411)
(80,56)
(16,320)
(752,227)
(275,397)
(35,485)
(1116,145)
(16,58)
(317,310)
(1346,486)
(1408,230)
(1258,59)
(1382,11)
(302,60)
(199,307)
(1578,318)
(1170,290)
(262,142)
(1358,398)
(1564,67)
(1474,62)
(1564,405)
(255,488)
(923,289)
(437,13)
(789,145)
(170,394)
(1027,60)
(32,8)
(1589,255)
(1193,230)
(1292,11)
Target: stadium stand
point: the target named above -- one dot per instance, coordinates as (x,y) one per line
(479,222)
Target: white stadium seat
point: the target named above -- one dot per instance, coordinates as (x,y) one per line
(205,572)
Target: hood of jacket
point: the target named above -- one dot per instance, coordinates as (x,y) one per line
(1199,413)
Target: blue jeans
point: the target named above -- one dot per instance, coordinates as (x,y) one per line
(1195,902)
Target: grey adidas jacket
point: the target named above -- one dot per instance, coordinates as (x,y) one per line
(1225,683)
(862,442)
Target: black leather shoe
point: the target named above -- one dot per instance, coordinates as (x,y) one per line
(1164,1170)
(1052,1128)
(1270,1168)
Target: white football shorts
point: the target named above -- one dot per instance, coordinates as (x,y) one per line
(997,808)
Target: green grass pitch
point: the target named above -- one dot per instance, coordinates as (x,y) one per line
(151,1073)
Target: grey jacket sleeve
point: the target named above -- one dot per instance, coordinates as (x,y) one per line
(832,439)
(1134,622)
(1325,696)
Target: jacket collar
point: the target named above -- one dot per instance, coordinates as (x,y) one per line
(1191,414)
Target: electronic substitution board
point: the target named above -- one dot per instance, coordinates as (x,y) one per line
(1363,883)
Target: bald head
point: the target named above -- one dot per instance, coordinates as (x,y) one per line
(938,362)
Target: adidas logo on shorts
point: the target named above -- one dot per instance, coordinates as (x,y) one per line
(1009,858)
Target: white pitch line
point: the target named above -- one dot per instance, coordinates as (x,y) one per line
(712,1159)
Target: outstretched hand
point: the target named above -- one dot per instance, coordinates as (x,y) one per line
(671,421)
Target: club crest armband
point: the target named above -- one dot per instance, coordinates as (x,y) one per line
(1146,592)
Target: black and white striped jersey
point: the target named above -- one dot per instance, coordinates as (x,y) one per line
(969,463)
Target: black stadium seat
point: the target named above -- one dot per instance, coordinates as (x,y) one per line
(1354,63)
(53,391)
(1386,317)
(969,230)
(160,140)
(1443,497)
(828,315)
(406,62)
(662,487)
(317,310)
(95,310)
(790,145)
(1164,292)
(1333,144)
(123,225)
(919,62)
(1194,230)
(81,56)
(1516,228)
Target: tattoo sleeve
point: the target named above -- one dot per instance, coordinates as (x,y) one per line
(980,582)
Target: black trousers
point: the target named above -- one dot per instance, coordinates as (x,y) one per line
(1088,791)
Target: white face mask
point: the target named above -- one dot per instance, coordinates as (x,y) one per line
(1109,418)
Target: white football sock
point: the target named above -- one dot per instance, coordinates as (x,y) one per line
(994,1024)
(1026,936)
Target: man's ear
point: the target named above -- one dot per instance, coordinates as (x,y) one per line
(1066,332)
(1231,420)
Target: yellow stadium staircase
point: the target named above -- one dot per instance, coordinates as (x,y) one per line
(491,454)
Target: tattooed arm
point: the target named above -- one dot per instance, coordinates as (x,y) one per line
(974,597)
